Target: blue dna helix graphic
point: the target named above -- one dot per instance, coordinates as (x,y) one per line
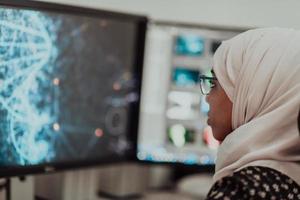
(26,49)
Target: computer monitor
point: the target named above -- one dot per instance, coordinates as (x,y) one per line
(70,83)
(173,127)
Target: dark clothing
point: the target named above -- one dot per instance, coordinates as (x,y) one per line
(255,183)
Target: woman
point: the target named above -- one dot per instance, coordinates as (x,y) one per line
(254,101)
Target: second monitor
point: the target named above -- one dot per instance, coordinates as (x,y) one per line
(173,127)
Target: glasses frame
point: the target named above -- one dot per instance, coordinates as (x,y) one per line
(202,78)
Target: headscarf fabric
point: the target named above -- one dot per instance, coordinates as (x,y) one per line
(260,72)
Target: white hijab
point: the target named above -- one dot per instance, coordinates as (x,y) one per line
(260,72)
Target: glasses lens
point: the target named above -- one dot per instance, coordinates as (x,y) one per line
(205,86)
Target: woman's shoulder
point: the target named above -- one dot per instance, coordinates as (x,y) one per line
(255,182)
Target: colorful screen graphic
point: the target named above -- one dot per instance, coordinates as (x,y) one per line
(184,77)
(67,85)
(189,45)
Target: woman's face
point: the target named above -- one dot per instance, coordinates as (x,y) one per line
(220,113)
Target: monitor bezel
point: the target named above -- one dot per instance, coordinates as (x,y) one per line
(141,23)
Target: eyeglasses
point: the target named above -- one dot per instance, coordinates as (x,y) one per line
(206,84)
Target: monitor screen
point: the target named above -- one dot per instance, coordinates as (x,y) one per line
(70,82)
(173,126)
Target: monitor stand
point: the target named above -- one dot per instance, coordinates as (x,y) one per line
(16,188)
(5,192)
(123,181)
